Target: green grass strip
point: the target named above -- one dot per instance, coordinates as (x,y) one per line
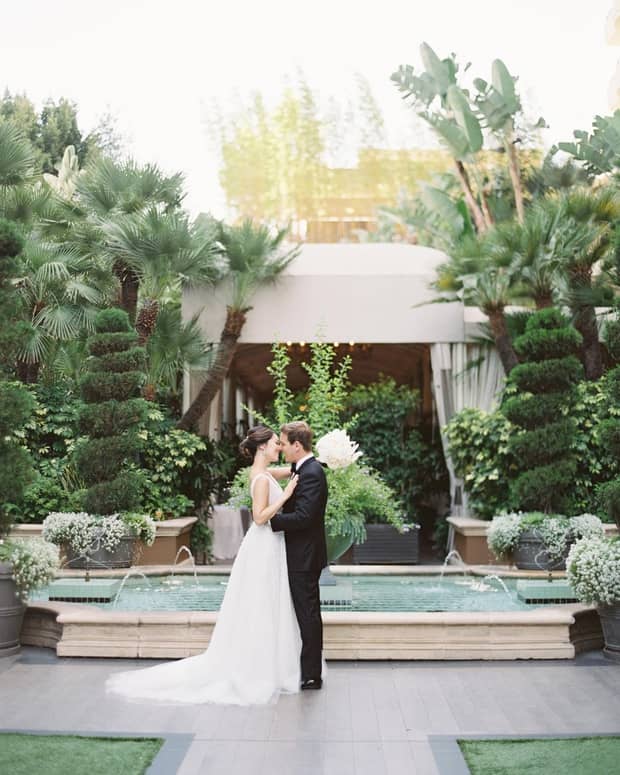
(24,754)
(570,756)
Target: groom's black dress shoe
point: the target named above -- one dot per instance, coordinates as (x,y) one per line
(312,683)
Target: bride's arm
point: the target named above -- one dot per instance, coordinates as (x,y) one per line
(262,512)
(281,472)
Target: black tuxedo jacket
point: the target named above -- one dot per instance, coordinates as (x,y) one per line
(303,520)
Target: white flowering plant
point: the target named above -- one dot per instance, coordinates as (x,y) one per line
(85,533)
(33,563)
(593,566)
(556,531)
(336,449)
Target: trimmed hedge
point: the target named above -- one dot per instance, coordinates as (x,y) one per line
(124,493)
(123,360)
(111,417)
(529,412)
(101,459)
(541,446)
(101,344)
(546,466)
(101,386)
(551,376)
(111,389)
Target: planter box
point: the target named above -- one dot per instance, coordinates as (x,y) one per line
(530,554)
(610,622)
(470,540)
(384,545)
(171,535)
(101,559)
(11,612)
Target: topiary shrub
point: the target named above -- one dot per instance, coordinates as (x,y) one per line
(542,454)
(609,493)
(111,389)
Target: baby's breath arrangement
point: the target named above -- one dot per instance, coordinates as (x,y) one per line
(33,562)
(593,566)
(85,533)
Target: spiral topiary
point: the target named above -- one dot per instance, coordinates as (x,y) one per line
(545,463)
(110,389)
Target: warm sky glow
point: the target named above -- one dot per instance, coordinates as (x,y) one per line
(157,64)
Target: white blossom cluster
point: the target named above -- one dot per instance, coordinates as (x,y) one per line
(503,533)
(556,531)
(336,449)
(34,563)
(593,567)
(85,533)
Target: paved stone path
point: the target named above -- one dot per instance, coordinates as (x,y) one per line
(380,718)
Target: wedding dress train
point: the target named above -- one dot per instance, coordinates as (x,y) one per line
(255,647)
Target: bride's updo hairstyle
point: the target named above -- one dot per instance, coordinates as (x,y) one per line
(256,437)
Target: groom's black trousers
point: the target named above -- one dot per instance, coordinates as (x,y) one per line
(307,603)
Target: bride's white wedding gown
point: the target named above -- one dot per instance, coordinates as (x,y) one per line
(255,648)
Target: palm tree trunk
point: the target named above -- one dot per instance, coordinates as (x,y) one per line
(130,284)
(591,351)
(515,177)
(147,320)
(235,320)
(470,199)
(503,342)
(543,300)
(28,373)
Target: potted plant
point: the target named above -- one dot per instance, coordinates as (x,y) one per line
(593,566)
(96,541)
(537,541)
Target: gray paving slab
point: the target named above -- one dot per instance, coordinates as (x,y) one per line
(371,717)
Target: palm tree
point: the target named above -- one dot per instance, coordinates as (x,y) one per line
(253,258)
(586,220)
(173,347)
(108,191)
(164,252)
(61,292)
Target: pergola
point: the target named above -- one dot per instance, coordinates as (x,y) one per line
(362,297)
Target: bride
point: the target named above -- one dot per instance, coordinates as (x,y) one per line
(254,650)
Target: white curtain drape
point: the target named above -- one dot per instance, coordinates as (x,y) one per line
(464,376)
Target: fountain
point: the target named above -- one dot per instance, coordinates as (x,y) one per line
(130,572)
(452,554)
(190,556)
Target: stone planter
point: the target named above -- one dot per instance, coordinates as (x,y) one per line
(121,557)
(610,622)
(384,545)
(530,554)
(11,612)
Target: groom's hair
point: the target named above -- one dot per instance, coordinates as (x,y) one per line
(298,431)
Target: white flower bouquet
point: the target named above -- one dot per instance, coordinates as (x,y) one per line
(85,533)
(556,531)
(337,450)
(593,567)
(33,562)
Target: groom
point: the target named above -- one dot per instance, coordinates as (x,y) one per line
(303,521)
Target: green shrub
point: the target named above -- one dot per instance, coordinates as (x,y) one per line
(543,445)
(111,417)
(124,493)
(102,344)
(539,345)
(544,487)
(611,337)
(112,320)
(546,462)
(99,386)
(16,407)
(552,376)
(529,411)
(609,497)
(100,459)
(124,360)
